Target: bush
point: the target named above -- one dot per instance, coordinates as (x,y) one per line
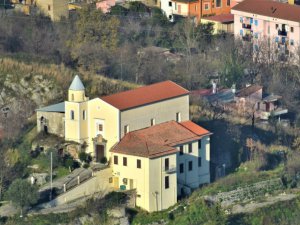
(103,160)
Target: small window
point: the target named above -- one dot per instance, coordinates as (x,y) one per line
(167,182)
(199,161)
(190,148)
(72,115)
(256,22)
(206,6)
(139,164)
(292,42)
(199,144)
(49,7)
(116,160)
(166,164)
(152,122)
(170,4)
(190,165)
(228,2)
(181,168)
(218,3)
(241,19)
(124,161)
(181,150)
(195,7)
(72,97)
(126,129)
(84,115)
(178,117)
(100,127)
(292,29)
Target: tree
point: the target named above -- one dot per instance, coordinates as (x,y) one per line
(22,194)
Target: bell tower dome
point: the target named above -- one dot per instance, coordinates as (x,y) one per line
(76,92)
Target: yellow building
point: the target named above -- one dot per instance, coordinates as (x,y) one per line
(55,9)
(145,133)
(162,162)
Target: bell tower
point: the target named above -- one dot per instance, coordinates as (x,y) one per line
(76,92)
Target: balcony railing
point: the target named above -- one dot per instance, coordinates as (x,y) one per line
(246,26)
(282,33)
(170,169)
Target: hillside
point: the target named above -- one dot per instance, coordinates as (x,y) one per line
(27,86)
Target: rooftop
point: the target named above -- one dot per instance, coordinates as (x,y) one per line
(160,139)
(245,92)
(145,95)
(270,8)
(76,84)
(59,107)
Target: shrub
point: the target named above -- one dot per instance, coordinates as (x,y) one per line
(103,160)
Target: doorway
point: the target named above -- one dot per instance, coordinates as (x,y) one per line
(99,153)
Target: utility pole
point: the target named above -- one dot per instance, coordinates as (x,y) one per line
(51,165)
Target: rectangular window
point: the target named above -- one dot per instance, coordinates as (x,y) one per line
(241,32)
(190,165)
(181,168)
(178,117)
(152,122)
(138,164)
(218,3)
(124,161)
(190,148)
(100,127)
(166,164)
(49,7)
(256,22)
(84,115)
(241,19)
(195,7)
(116,160)
(199,144)
(167,182)
(292,42)
(126,129)
(199,162)
(206,6)
(228,2)
(292,29)
(170,4)
(72,115)
(181,150)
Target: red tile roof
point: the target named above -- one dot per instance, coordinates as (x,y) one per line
(160,139)
(194,128)
(223,18)
(145,95)
(270,8)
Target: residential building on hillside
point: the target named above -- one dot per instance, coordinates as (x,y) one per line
(270,25)
(195,9)
(145,133)
(162,162)
(55,9)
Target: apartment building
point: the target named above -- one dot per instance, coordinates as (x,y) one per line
(268,24)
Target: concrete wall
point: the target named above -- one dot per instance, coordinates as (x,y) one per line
(163,111)
(54,122)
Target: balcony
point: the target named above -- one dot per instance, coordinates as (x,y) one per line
(282,33)
(246,26)
(170,169)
